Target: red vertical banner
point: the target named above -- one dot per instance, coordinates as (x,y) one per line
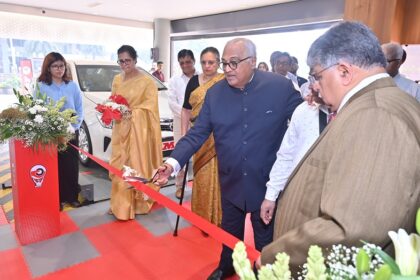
(35,191)
(26,73)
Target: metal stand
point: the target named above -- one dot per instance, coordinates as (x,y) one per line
(184,182)
(3,187)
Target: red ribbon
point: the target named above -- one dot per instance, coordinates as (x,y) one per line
(214,231)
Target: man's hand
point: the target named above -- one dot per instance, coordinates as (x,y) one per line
(163,173)
(267,210)
(258,263)
(313,97)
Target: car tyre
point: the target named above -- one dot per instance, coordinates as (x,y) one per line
(85,144)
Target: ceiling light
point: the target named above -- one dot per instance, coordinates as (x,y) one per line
(94,4)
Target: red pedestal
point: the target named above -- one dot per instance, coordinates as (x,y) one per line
(35,192)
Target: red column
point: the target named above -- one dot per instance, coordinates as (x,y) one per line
(35,191)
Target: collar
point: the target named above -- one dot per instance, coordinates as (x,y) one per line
(250,80)
(186,77)
(363,83)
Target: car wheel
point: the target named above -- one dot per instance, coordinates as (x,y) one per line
(85,144)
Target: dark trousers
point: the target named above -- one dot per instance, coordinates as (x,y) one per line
(233,221)
(68,172)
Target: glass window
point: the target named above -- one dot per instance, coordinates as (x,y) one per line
(411,67)
(295,42)
(93,78)
(26,39)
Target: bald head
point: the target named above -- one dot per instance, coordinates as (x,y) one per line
(239,61)
(245,44)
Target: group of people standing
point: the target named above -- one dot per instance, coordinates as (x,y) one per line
(361,162)
(136,141)
(240,126)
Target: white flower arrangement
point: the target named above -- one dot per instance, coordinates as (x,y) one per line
(343,263)
(37,121)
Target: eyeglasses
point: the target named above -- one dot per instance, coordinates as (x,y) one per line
(233,64)
(124,61)
(209,62)
(316,77)
(392,60)
(283,63)
(57,67)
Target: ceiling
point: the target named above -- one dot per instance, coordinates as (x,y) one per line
(146,10)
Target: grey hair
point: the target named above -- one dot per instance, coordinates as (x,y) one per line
(250,47)
(276,55)
(393,50)
(349,41)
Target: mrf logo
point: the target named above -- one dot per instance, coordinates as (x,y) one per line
(37,174)
(168,146)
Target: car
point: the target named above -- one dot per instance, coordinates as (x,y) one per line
(95,81)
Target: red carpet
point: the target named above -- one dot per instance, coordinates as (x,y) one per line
(128,251)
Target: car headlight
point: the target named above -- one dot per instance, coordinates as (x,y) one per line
(166,124)
(99,116)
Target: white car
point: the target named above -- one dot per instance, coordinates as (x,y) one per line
(95,81)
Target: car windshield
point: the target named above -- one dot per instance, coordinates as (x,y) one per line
(99,77)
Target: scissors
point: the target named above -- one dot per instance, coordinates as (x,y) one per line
(140,179)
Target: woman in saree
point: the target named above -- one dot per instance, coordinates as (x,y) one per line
(136,141)
(205,199)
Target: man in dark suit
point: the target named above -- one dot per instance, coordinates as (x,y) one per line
(293,69)
(247,113)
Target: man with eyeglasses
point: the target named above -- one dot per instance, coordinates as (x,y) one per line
(360,179)
(247,112)
(281,62)
(176,93)
(394,54)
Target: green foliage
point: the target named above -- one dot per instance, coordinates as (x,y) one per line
(265,273)
(383,273)
(315,264)
(362,262)
(241,263)
(368,262)
(11,82)
(38,121)
(281,267)
(388,260)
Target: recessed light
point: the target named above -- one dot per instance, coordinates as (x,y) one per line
(94,4)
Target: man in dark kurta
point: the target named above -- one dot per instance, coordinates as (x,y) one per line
(247,113)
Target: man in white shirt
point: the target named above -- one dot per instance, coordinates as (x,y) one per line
(177,85)
(307,122)
(394,56)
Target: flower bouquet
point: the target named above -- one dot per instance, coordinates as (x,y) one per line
(114,108)
(368,262)
(37,121)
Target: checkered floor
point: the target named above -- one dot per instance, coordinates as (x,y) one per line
(93,245)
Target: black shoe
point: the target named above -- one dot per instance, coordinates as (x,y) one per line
(75,204)
(217,274)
